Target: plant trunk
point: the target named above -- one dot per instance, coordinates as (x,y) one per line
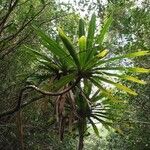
(81,129)
(20,129)
(80,146)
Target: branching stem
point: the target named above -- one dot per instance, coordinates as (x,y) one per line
(19,106)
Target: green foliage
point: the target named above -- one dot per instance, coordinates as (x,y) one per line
(101,64)
(95,74)
(105,29)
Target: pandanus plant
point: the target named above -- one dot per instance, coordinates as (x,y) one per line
(81,67)
(86,67)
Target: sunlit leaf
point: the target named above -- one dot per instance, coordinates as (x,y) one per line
(103,53)
(126,77)
(132,79)
(119,86)
(130,69)
(136,54)
(82,43)
(139,70)
(82,47)
(130,55)
(126,89)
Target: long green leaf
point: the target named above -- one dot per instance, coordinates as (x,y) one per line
(103,116)
(130,69)
(106,124)
(82,44)
(105,29)
(94,127)
(91,31)
(97,98)
(126,77)
(40,55)
(63,81)
(125,89)
(90,38)
(119,86)
(81,28)
(130,55)
(49,65)
(82,47)
(105,92)
(51,45)
(138,70)
(87,87)
(69,47)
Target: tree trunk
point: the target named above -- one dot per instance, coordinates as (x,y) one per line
(80,145)
(81,129)
(20,129)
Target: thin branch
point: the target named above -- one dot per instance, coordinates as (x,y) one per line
(18,106)
(7,25)
(17,44)
(24,25)
(10,9)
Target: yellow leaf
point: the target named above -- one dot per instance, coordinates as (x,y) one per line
(126,89)
(139,70)
(136,54)
(103,53)
(133,79)
(82,43)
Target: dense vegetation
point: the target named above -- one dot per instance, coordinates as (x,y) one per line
(68,70)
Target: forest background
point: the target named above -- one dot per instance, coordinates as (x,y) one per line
(129,32)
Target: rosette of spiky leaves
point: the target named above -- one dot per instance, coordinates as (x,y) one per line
(87,62)
(97,107)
